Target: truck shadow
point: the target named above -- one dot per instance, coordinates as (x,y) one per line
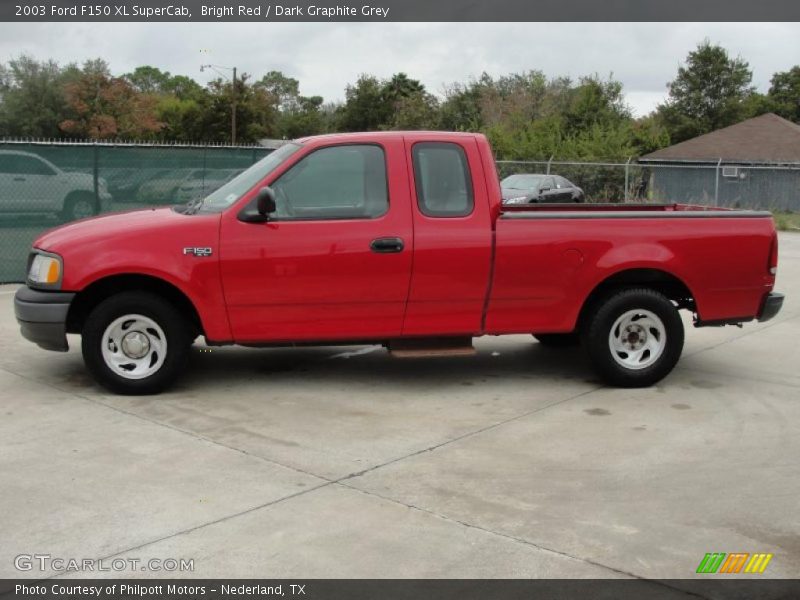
(366,364)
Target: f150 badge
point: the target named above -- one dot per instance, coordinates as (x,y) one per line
(198,251)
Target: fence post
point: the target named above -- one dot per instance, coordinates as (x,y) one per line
(627,165)
(716,184)
(548,163)
(205,168)
(96,177)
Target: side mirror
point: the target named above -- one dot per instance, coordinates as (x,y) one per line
(544,189)
(264,206)
(265,201)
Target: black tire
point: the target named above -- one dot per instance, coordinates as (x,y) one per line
(78,206)
(174,325)
(558,340)
(602,317)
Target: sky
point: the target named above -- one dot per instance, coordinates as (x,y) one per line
(324,57)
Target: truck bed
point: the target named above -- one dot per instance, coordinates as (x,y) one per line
(547,255)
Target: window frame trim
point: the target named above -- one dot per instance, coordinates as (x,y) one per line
(327,147)
(417,183)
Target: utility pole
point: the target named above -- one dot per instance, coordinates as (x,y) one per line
(217,68)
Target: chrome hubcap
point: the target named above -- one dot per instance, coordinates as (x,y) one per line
(637,339)
(134,346)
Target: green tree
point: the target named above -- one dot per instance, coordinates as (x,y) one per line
(784,94)
(712,90)
(418,110)
(648,135)
(179,102)
(517,97)
(184,88)
(307,118)
(364,108)
(296,115)
(595,102)
(183,119)
(285,90)
(371,104)
(102,106)
(149,80)
(400,86)
(256,116)
(461,109)
(32,101)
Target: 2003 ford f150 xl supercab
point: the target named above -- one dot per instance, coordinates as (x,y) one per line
(393,238)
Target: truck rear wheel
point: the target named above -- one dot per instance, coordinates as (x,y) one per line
(135,343)
(634,338)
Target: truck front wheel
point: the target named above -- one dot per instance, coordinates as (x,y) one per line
(634,338)
(135,343)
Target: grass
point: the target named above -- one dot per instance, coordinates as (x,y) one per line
(787,221)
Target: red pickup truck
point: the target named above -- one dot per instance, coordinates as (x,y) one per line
(393,238)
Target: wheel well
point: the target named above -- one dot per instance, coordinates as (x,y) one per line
(654,279)
(94,294)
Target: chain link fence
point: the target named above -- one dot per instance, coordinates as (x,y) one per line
(43,184)
(772,187)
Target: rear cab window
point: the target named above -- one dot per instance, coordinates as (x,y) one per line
(442,179)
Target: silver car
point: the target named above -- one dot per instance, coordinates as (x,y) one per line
(30,184)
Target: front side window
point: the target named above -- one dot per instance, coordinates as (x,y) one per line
(229,193)
(337,182)
(441,173)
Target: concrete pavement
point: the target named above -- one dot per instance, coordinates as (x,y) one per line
(343,462)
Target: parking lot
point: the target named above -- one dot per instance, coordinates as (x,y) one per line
(344,462)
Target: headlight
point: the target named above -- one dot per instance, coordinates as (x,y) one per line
(516,200)
(46,270)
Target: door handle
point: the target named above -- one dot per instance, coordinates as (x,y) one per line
(19,179)
(387,245)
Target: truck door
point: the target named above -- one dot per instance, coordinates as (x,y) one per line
(335,261)
(452,238)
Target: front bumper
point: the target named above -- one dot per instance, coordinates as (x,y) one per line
(42,317)
(771,306)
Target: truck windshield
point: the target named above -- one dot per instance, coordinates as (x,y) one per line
(238,186)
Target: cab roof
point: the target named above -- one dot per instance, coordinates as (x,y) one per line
(379,135)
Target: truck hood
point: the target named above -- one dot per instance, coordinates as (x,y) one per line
(108,227)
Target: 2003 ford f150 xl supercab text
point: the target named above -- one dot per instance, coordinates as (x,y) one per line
(393,238)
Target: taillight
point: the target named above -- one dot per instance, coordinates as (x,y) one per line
(773,255)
